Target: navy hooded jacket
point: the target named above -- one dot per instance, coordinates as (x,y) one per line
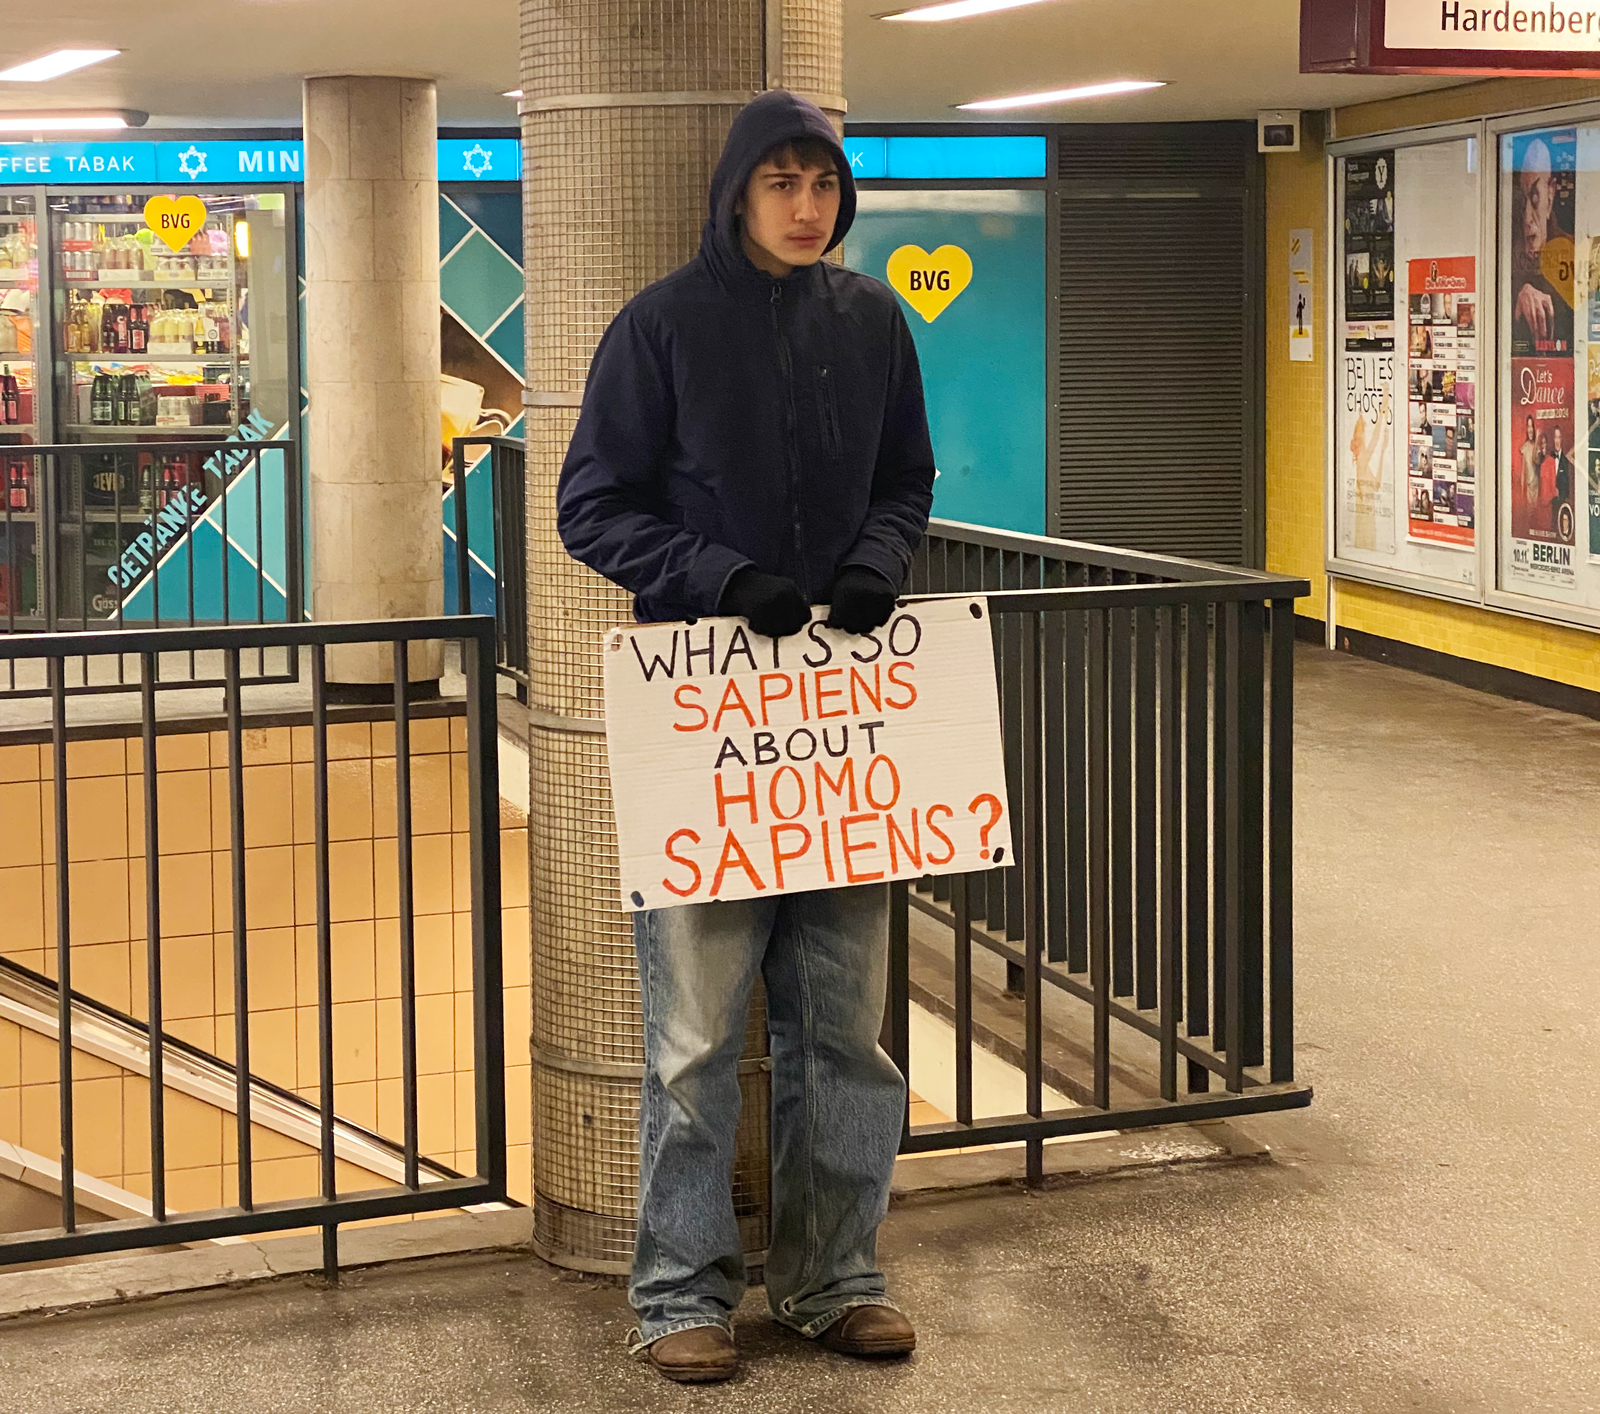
(732,418)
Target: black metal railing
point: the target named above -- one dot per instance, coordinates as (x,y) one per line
(425,1185)
(1147,709)
(501,548)
(153,534)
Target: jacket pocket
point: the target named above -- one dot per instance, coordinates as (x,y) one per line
(830,413)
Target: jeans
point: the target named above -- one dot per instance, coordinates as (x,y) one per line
(837,1106)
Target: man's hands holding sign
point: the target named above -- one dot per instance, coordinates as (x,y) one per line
(745,765)
(862,600)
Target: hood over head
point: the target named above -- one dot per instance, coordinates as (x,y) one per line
(764,123)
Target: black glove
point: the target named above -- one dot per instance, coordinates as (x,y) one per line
(862,600)
(774,605)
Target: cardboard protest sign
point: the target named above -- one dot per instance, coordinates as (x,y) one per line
(742,766)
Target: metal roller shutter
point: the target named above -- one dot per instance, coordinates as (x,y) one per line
(1159,344)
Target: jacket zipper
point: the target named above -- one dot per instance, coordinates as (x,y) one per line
(830,414)
(790,450)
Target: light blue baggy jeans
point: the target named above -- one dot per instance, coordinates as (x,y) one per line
(837,1106)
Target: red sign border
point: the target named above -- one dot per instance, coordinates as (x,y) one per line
(1372,56)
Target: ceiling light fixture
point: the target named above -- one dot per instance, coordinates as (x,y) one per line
(71,122)
(955,10)
(52,66)
(1062,95)
(512,93)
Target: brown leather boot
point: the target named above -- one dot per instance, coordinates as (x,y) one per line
(699,1356)
(871,1332)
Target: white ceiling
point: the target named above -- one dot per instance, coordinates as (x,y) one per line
(240,61)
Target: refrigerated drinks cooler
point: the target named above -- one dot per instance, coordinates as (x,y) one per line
(19,406)
(147,345)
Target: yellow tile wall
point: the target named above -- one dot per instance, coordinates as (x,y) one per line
(1296,408)
(105,812)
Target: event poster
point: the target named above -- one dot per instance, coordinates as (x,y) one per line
(1543,432)
(1441,386)
(1365,461)
(1369,252)
(1594,399)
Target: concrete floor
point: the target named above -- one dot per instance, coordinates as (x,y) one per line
(1427,1239)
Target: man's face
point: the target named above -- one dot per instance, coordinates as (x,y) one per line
(789,215)
(1538,199)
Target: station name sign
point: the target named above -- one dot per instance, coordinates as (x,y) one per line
(1466,37)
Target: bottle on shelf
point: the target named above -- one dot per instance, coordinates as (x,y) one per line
(139,329)
(19,486)
(10,397)
(101,401)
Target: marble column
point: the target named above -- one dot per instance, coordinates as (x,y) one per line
(372,364)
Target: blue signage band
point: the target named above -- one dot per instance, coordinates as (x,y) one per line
(497,159)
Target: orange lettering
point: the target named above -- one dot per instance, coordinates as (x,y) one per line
(935,830)
(733,854)
(847,776)
(912,847)
(688,864)
(873,694)
(850,849)
(911,689)
(894,778)
(749,798)
(780,856)
(827,849)
(768,697)
(732,701)
(772,793)
(705,716)
(824,694)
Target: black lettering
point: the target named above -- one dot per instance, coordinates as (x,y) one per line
(729,752)
(844,742)
(894,635)
(740,645)
(877,649)
(1449,14)
(871,728)
(814,631)
(668,666)
(811,741)
(690,652)
(766,748)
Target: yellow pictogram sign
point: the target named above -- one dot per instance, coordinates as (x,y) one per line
(930,283)
(175,219)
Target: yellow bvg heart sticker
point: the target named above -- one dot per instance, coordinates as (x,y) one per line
(929,283)
(175,219)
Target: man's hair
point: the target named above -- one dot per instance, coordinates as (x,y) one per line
(809,154)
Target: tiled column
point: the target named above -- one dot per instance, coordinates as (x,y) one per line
(625,108)
(372,362)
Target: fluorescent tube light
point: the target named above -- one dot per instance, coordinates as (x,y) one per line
(69,122)
(52,66)
(1061,95)
(512,93)
(955,10)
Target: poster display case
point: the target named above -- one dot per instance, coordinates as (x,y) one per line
(1405,501)
(1464,446)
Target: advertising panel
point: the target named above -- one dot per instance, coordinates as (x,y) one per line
(1543,425)
(1441,387)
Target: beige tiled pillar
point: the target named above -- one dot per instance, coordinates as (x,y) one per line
(372,361)
(624,112)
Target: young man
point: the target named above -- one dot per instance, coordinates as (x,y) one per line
(753,441)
